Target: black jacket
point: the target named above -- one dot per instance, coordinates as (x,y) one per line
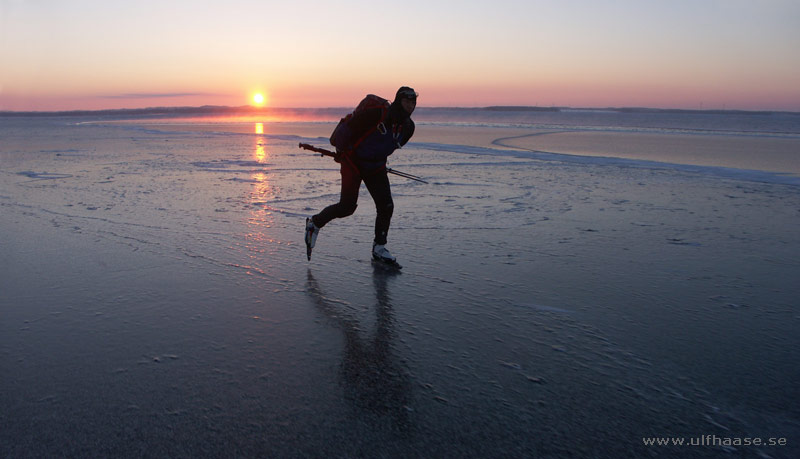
(391,134)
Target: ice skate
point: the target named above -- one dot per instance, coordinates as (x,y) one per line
(311,236)
(381,254)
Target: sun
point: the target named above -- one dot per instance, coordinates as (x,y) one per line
(258,99)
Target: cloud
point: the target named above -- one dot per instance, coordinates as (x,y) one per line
(158,95)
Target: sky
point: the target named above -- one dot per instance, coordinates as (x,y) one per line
(693,54)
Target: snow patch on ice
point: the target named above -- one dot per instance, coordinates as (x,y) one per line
(224,163)
(43,175)
(544,308)
(723,172)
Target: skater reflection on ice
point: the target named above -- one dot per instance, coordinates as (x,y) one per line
(375,382)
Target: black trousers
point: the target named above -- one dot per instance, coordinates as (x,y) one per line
(378,186)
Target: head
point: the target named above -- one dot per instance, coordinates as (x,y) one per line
(406,98)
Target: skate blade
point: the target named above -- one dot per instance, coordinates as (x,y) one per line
(383,262)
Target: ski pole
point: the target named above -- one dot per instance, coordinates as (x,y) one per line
(324,152)
(405,175)
(321,151)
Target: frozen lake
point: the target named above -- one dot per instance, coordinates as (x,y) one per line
(156,299)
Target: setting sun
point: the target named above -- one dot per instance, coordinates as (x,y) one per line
(258,99)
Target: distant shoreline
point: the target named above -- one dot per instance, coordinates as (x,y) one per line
(336,111)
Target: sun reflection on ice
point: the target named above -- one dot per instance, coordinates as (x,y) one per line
(259,177)
(260,217)
(260,154)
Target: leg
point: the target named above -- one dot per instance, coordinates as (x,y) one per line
(378,186)
(348,200)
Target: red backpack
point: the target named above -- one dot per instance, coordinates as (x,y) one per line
(342,131)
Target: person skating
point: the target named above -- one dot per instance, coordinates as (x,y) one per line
(363,143)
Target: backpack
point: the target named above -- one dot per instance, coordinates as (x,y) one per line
(342,133)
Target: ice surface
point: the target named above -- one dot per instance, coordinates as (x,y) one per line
(156,299)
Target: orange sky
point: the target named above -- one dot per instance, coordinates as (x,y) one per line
(87,54)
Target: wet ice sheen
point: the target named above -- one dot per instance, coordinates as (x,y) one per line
(157,298)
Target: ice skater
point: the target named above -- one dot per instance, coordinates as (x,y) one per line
(363,141)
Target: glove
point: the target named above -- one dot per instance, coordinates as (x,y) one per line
(339,155)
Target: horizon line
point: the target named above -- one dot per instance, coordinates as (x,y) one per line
(208,109)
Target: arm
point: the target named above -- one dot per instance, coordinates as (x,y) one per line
(408,131)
